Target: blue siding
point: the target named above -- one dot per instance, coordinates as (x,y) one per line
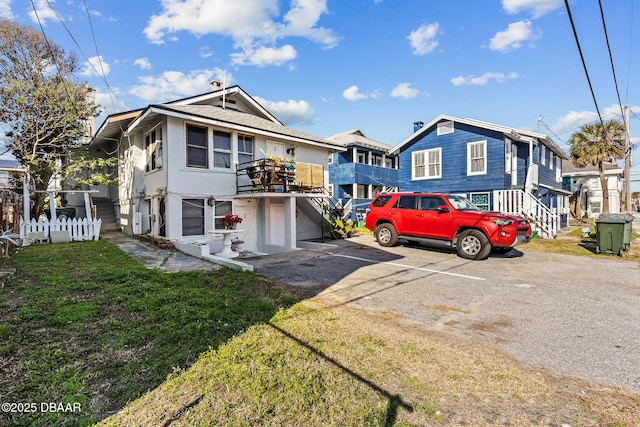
(344,172)
(454,162)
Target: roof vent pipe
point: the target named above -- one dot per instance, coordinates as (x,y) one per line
(417,126)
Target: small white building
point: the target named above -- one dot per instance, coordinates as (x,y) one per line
(185,164)
(584,184)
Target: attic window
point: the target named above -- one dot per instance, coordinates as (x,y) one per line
(445,127)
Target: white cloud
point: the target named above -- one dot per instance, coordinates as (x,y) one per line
(5,9)
(110,103)
(573,120)
(290,112)
(263,56)
(172,85)
(483,79)
(353,94)
(143,63)
(254,25)
(537,7)
(514,36)
(43,12)
(95,66)
(404,90)
(205,52)
(423,40)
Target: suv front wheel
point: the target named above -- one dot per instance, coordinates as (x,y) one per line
(386,235)
(473,244)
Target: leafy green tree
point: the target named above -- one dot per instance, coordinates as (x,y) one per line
(597,145)
(43,111)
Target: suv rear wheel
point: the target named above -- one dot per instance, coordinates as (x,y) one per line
(386,235)
(473,244)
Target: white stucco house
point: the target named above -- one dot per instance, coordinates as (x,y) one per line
(584,184)
(184,164)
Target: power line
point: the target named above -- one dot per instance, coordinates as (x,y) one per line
(102,76)
(53,56)
(630,51)
(95,43)
(584,65)
(613,70)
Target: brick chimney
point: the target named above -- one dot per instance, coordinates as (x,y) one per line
(215,85)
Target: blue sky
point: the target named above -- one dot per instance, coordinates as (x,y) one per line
(327,66)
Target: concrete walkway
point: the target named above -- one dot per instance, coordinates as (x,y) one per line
(169,260)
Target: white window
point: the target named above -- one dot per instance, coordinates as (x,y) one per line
(445,128)
(477,158)
(221,149)
(220,209)
(388,162)
(543,155)
(245,149)
(552,161)
(197,150)
(361,157)
(427,164)
(192,217)
(153,148)
(362,191)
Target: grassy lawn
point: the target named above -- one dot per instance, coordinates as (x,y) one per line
(83,323)
(572,243)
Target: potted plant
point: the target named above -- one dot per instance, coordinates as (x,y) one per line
(230,220)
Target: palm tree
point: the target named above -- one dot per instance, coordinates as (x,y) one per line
(597,145)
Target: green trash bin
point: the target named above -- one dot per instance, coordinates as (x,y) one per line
(613,233)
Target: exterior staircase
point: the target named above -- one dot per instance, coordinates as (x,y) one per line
(105,210)
(325,208)
(519,202)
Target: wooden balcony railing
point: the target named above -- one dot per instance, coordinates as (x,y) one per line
(279,176)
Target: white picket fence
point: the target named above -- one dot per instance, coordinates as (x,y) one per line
(77,228)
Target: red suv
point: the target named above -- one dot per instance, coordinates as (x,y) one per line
(444,218)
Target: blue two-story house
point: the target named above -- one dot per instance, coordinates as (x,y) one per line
(497,167)
(364,169)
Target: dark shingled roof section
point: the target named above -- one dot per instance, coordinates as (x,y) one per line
(236,117)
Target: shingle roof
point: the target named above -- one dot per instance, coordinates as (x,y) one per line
(357,137)
(506,130)
(568,168)
(234,117)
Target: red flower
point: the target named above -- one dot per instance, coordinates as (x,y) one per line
(230,220)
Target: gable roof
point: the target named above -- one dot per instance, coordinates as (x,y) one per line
(231,94)
(357,137)
(513,133)
(208,107)
(115,124)
(243,122)
(569,169)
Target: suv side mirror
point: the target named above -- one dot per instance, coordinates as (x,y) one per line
(443,209)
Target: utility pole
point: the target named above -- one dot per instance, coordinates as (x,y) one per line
(627,161)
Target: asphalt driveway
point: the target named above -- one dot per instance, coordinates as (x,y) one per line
(577,316)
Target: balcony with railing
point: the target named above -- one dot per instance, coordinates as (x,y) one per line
(275,175)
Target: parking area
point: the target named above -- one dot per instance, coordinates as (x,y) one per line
(577,316)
